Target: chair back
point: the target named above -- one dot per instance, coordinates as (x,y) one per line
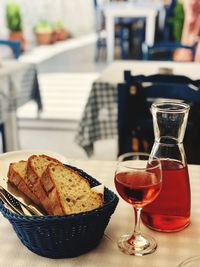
(164,50)
(14,45)
(160,78)
(135,96)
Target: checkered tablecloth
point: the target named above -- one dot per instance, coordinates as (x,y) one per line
(99,119)
(18,85)
(23,87)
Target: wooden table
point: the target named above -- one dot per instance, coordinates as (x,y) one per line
(172,248)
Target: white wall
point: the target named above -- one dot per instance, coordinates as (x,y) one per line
(77,15)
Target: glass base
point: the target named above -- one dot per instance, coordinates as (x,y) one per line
(140,246)
(191,262)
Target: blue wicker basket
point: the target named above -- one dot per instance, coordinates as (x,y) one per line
(64,236)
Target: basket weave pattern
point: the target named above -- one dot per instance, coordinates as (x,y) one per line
(64,236)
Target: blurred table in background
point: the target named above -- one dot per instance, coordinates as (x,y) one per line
(148,10)
(99,120)
(18,85)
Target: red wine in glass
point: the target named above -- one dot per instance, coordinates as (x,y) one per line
(137,188)
(138,180)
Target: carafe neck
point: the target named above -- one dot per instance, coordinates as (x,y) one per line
(169,121)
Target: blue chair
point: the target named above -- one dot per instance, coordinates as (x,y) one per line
(135,128)
(164,50)
(14,45)
(160,79)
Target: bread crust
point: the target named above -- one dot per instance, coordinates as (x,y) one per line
(56,198)
(50,189)
(33,178)
(18,180)
(59,189)
(31,173)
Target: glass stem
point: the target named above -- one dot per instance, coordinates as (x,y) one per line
(137,231)
(136,239)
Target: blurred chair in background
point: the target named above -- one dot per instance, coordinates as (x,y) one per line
(13,45)
(135,96)
(160,78)
(167,50)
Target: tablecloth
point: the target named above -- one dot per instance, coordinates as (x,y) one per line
(172,248)
(99,120)
(18,85)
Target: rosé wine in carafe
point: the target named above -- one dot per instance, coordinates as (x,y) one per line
(170,211)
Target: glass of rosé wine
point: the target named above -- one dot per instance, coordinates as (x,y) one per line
(138,180)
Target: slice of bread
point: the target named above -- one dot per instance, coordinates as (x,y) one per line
(16,175)
(36,165)
(68,191)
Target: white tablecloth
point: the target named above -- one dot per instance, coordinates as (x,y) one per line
(172,248)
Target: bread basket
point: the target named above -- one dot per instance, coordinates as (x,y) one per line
(64,236)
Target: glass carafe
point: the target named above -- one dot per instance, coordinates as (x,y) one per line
(171,209)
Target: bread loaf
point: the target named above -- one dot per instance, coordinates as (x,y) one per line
(68,191)
(57,188)
(16,175)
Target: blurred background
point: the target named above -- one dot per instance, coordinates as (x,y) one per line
(65,42)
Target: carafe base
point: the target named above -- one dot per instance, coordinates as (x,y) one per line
(157,227)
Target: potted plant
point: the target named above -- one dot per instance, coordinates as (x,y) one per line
(60,31)
(14,23)
(43,31)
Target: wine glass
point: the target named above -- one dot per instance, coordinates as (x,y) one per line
(138,180)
